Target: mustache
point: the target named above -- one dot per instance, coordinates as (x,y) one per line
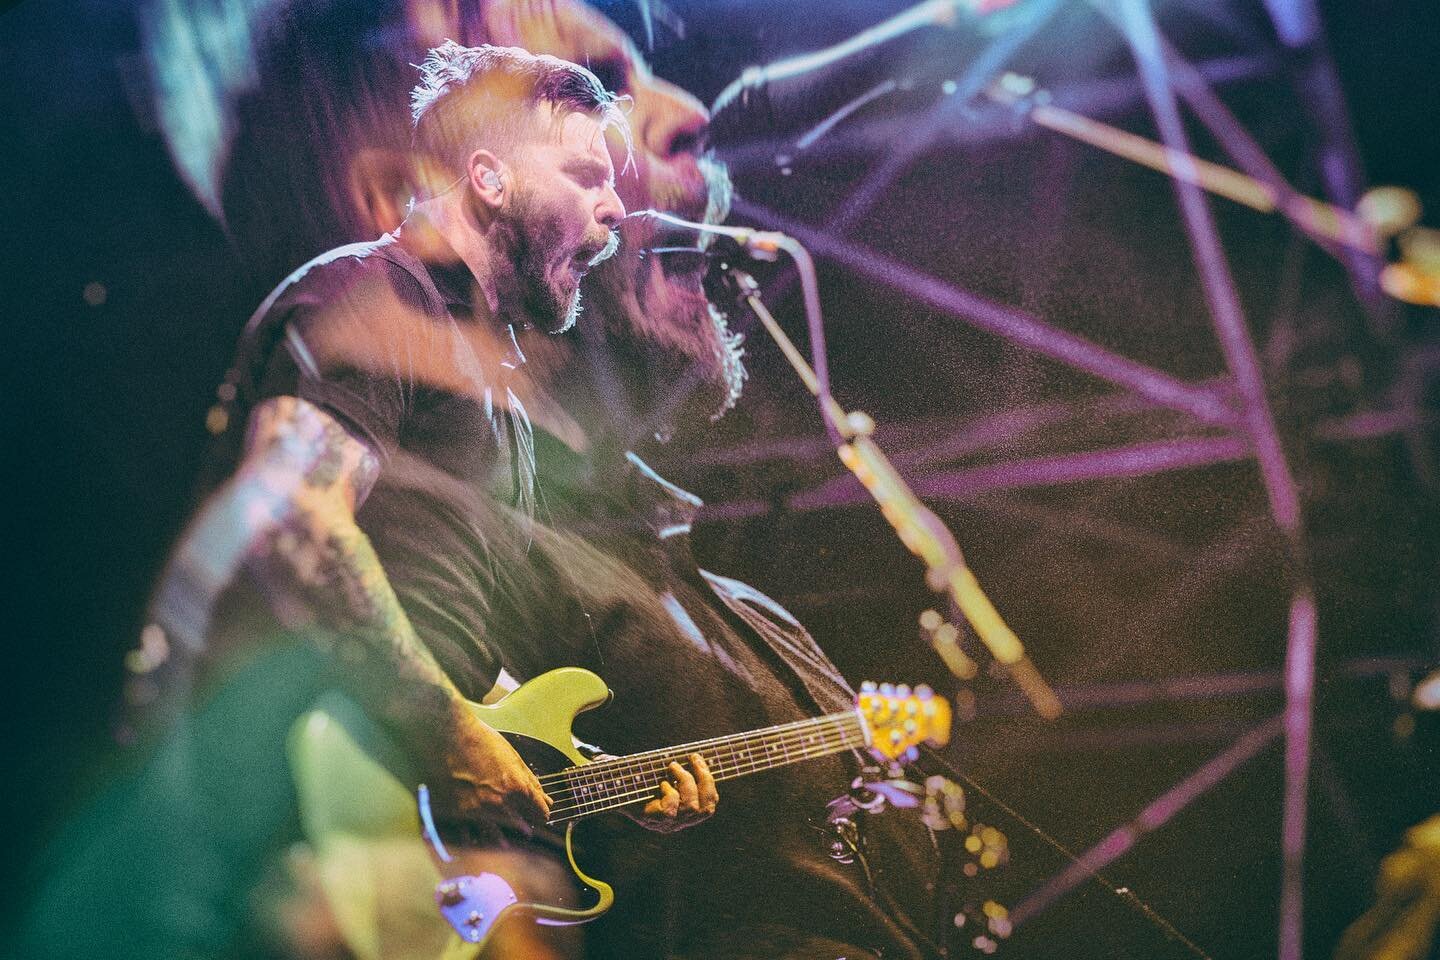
(607,250)
(719,188)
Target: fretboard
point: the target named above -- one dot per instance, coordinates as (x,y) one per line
(607,784)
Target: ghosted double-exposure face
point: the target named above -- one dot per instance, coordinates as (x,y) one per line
(295,130)
(653,308)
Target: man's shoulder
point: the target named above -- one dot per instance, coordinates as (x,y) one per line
(353,271)
(353,308)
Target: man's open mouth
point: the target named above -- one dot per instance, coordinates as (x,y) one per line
(590,256)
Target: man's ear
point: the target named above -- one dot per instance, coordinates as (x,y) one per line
(381,182)
(488,178)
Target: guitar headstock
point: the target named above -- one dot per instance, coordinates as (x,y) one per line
(900,719)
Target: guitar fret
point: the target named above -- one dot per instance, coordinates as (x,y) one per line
(600,776)
(705,746)
(605,785)
(585,797)
(618,800)
(752,761)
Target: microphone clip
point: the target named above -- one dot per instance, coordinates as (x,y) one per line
(730,284)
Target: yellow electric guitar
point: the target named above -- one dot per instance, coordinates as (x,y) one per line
(366,827)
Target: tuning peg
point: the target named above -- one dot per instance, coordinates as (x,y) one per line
(924,692)
(903,691)
(887,690)
(868,686)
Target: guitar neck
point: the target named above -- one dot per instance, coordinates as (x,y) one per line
(607,784)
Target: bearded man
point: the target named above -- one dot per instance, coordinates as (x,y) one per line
(520,532)
(567,550)
(396,362)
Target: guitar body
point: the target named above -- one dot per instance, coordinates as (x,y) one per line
(545,708)
(380,878)
(384,872)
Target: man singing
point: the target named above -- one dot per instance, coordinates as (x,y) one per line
(568,550)
(397,359)
(519,531)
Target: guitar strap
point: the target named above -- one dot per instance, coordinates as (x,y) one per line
(787,642)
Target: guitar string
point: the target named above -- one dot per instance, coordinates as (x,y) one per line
(730,765)
(599,768)
(758,756)
(637,796)
(773,753)
(695,746)
(614,801)
(735,764)
(586,774)
(605,777)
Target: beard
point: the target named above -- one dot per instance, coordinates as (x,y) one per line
(670,350)
(547,289)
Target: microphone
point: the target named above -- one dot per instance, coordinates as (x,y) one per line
(797,93)
(760,244)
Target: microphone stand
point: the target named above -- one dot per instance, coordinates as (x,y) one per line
(922,532)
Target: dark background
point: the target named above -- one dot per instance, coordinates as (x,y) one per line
(1166,577)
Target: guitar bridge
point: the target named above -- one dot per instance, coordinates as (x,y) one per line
(472,904)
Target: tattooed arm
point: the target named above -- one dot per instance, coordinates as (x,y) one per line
(286,522)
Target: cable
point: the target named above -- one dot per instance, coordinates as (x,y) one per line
(1124,894)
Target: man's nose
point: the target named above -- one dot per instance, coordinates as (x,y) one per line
(670,121)
(611,209)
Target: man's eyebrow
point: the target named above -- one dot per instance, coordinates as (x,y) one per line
(589,166)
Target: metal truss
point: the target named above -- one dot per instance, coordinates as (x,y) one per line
(1174,424)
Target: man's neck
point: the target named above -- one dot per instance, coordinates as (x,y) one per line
(440,228)
(438,231)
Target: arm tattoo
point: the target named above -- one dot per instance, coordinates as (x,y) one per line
(287,521)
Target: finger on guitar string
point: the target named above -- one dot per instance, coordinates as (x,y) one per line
(667,804)
(709,794)
(686,785)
